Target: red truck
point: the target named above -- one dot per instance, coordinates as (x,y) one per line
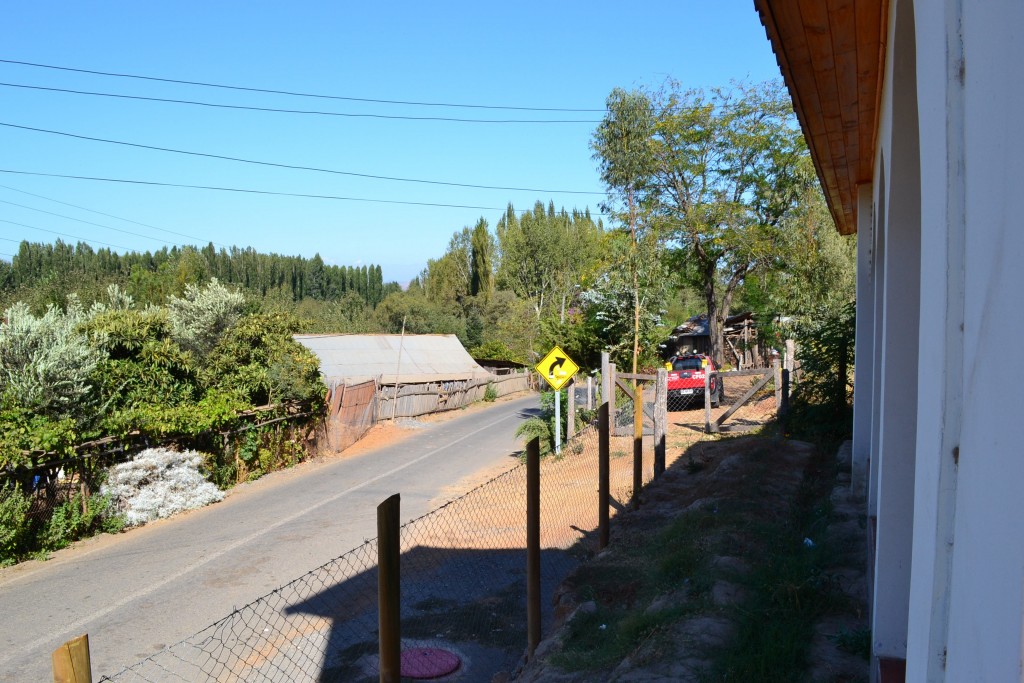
(686,381)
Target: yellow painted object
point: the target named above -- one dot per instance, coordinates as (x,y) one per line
(71,661)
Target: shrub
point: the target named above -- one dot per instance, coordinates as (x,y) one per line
(159,483)
(203,315)
(490,393)
(14,526)
(69,522)
(45,362)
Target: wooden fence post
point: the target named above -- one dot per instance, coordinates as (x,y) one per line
(660,420)
(603,475)
(638,443)
(533,617)
(71,661)
(389,590)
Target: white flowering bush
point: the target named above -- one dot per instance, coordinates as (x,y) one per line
(158,483)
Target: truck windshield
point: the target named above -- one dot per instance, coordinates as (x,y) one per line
(686,364)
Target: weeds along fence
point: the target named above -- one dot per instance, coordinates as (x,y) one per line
(414,400)
(463,585)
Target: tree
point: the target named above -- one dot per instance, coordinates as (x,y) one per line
(481,261)
(449,278)
(624,146)
(716,174)
(545,255)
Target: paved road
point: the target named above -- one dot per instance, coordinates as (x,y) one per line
(138,592)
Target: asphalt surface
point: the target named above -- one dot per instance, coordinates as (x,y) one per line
(138,592)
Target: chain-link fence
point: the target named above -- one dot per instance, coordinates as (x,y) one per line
(463,587)
(463,568)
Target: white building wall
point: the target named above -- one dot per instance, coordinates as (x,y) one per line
(864,353)
(899,228)
(940,347)
(985,628)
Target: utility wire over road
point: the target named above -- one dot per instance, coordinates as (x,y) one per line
(293,93)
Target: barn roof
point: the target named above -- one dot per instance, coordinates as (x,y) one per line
(359,357)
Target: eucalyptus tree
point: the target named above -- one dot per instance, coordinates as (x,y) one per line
(624,146)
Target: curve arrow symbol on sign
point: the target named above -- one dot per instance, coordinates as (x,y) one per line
(557,363)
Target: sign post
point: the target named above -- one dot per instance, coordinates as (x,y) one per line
(557,369)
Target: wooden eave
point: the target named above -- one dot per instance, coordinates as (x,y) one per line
(832,56)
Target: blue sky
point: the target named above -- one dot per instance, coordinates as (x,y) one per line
(524,54)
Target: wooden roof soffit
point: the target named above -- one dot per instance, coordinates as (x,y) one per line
(832,56)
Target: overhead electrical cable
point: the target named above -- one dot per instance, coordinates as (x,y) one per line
(276,110)
(293,93)
(300,195)
(110,215)
(293,166)
(64,234)
(82,220)
(248,191)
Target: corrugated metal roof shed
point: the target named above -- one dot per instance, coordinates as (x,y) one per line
(425,358)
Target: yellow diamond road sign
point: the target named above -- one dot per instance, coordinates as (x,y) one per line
(557,368)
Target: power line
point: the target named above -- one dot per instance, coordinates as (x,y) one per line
(294,93)
(276,110)
(82,220)
(64,234)
(294,166)
(109,215)
(249,191)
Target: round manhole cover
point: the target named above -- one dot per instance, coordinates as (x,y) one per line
(424,663)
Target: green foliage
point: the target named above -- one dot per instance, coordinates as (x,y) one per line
(44,274)
(69,522)
(543,426)
(546,256)
(492,350)
(490,393)
(45,362)
(14,525)
(821,409)
(203,315)
(716,175)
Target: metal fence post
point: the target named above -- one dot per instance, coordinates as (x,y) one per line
(603,475)
(777,375)
(660,421)
(570,422)
(72,662)
(707,398)
(784,405)
(533,617)
(612,371)
(638,443)
(389,589)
